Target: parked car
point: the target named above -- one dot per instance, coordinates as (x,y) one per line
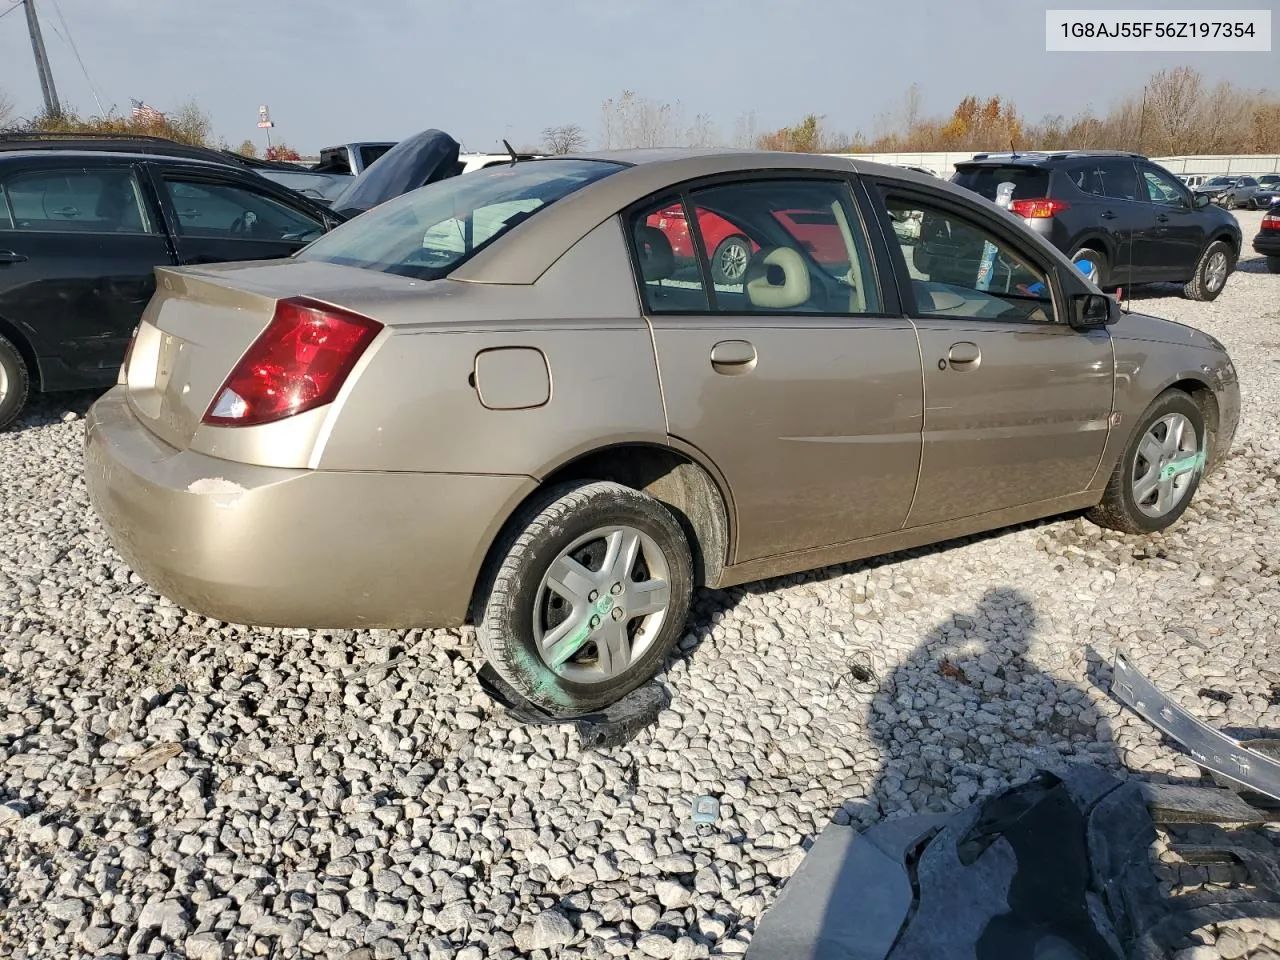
(1267,242)
(81,233)
(1123,219)
(731,249)
(1270,181)
(545,432)
(1231,191)
(351,159)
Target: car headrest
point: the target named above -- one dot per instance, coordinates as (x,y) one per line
(657,259)
(777,279)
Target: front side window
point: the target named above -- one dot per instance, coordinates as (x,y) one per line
(958,269)
(232,212)
(107,200)
(429,232)
(1163,188)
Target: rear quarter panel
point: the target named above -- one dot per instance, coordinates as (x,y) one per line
(417,407)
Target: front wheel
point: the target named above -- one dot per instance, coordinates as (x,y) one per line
(1211,272)
(593,592)
(729,262)
(15,383)
(1160,469)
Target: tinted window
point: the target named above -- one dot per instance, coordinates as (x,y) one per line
(88,201)
(1247,182)
(670,272)
(229,211)
(428,232)
(960,270)
(788,245)
(1113,179)
(1029,183)
(1163,187)
(372,153)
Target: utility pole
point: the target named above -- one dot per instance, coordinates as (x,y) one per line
(52,107)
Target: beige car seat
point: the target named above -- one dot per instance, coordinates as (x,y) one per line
(777,279)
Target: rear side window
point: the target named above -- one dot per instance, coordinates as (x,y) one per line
(1029,183)
(76,201)
(1113,179)
(428,232)
(231,212)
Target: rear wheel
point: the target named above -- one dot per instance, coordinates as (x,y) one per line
(15,383)
(593,592)
(1092,263)
(1211,272)
(1160,469)
(1273,264)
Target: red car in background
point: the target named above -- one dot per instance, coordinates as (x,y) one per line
(730,249)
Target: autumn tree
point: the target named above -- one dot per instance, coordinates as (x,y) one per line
(282,151)
(807,136)
(564,139)
(247,148)
(188,124)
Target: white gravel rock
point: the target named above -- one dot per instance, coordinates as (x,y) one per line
(302,806)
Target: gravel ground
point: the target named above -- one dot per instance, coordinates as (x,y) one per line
(173,785)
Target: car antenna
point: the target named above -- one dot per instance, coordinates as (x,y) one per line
(514,159)
(1013,148)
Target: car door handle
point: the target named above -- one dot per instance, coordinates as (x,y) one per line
(1107,215)
(963,356)
(732,357)
(8,256)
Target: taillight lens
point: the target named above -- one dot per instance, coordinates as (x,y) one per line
(298,363)
(1271,221)
(1039,209)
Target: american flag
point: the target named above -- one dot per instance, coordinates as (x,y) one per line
(145,113)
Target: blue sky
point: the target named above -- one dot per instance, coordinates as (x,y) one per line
(486,69)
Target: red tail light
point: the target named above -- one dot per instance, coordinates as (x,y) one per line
(298,363)
(1039,209)
(1271,221)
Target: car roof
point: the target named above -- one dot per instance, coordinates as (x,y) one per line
(525,254)
(90,156)
(1032,157)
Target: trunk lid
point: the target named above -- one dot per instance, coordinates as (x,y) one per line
(201,320)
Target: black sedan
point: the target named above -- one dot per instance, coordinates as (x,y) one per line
(1267,242)
(82,231)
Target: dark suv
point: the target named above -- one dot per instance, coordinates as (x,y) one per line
(1120,217)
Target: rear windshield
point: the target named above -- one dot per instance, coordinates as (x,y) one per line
(429,232)
(1029,183)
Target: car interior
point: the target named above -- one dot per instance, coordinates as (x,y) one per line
(784,273)
(106,201)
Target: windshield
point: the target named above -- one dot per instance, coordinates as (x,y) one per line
(429,232)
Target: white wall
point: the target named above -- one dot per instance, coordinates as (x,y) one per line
(943,164)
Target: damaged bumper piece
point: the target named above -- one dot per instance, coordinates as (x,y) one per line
(1059,867)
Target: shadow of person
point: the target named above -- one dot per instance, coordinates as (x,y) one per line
(970,713)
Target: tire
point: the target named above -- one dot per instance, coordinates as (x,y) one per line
(737,250)
(1273,264)
(1120,507)
(1252,204)
(1203,286)
(568,674)
(1101,266)
(15,383)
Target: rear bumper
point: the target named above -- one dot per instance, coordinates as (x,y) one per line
(1267,243)
(291,548)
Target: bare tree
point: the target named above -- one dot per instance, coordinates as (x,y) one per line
(744,131)
(633,121)
(703,133)
(1174,98)
(7,111)
(564,139)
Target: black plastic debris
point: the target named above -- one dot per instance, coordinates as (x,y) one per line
(1055,869)
(612,726)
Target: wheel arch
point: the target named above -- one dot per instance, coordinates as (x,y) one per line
(14,335)
(678,478)
(1203,396)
